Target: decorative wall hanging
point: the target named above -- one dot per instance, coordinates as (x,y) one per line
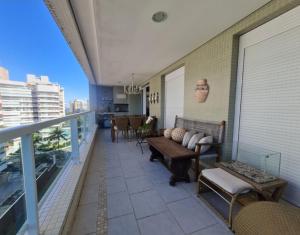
(201,91)
(150,98)
(154,98)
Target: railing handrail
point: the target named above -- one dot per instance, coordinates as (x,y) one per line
(9,133)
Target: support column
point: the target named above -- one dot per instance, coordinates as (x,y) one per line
(31,201)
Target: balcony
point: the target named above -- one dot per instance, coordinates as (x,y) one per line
(229,62)
(139,198)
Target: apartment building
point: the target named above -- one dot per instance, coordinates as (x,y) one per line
(47,98)
(3,76)
(77,106)
(1,115)
(35,100)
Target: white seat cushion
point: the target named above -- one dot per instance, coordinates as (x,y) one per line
(226,181)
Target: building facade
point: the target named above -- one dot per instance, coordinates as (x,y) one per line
(48,98)
(77,106)
(4,73)
(35,100)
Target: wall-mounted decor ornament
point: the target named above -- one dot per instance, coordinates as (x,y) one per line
(153,98)
(157,97)
(150,98)
(201,91)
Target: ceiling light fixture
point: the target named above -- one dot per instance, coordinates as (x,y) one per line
(132,89)
(159,16)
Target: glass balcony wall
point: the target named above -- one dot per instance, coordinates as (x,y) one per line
(32,157)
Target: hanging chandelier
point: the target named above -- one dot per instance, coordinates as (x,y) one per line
(132,89)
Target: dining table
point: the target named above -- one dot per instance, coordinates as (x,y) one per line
(113,123)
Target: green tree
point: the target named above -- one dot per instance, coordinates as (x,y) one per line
(80,127)
(56,135)
(36,139)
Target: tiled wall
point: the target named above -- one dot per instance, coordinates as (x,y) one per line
(216,61)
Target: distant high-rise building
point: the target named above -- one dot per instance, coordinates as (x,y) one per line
(35,100)
(4,73)
(3,76)
(48,96)
(1,113)
(77,106)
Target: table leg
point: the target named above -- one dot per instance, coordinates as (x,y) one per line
(179,169)
(155,154)
(196,168)
(277,193)
(112,131)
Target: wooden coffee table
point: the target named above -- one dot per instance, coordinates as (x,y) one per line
(179,157)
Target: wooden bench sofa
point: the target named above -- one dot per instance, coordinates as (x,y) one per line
(178,158)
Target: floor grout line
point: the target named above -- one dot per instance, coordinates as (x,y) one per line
(102,220)
(105,164)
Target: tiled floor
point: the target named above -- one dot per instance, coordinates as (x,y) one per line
(139,198)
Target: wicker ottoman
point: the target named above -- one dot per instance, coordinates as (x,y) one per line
(267,218)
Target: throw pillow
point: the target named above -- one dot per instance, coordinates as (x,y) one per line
(187,136)
(207,139)
(195,139)
(168,132)
(177,134)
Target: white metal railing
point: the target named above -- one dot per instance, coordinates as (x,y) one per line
(25,132)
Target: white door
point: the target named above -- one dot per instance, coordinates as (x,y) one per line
(268,94)
(174,96)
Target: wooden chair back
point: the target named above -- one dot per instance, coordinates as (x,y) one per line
(122,123)
(135,122)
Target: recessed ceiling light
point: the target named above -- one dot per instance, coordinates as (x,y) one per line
(159,16)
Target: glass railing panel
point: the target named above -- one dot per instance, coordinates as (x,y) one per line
(52,150)
(12,201)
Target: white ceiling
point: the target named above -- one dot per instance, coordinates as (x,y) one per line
(119,37)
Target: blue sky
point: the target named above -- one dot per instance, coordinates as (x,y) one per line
(31,42)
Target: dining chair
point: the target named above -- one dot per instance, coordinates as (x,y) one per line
(121,125)
(135,122)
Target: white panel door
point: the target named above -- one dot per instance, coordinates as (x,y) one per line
(268,94)
(174,96)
